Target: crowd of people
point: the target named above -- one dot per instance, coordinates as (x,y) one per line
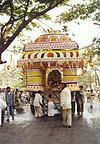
(11,100)
(67,103)
(71,102)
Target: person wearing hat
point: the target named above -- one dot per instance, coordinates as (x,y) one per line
(10,101)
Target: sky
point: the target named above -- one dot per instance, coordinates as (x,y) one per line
(83,34)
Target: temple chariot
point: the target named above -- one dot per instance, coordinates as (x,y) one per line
(49,62)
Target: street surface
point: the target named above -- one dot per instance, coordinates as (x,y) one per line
(26,129)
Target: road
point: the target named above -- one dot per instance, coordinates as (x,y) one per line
(26,129)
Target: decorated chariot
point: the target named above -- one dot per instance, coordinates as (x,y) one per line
(49,62)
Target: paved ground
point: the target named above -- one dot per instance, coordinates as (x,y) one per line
(28,130)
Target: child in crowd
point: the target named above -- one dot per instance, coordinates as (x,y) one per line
(50,106)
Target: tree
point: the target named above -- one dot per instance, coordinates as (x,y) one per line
(10,76)
(18,15)
(89,9)
(91,56)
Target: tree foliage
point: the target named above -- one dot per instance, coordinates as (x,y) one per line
(19,14)
(89,9)
(91,56)
(10,76)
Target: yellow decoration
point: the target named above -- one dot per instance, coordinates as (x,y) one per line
(70,78)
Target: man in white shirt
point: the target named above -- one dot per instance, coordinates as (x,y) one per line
(65,98)
(2,94)
(37,104)
(2,106)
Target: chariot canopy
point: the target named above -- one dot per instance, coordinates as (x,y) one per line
(51,60)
